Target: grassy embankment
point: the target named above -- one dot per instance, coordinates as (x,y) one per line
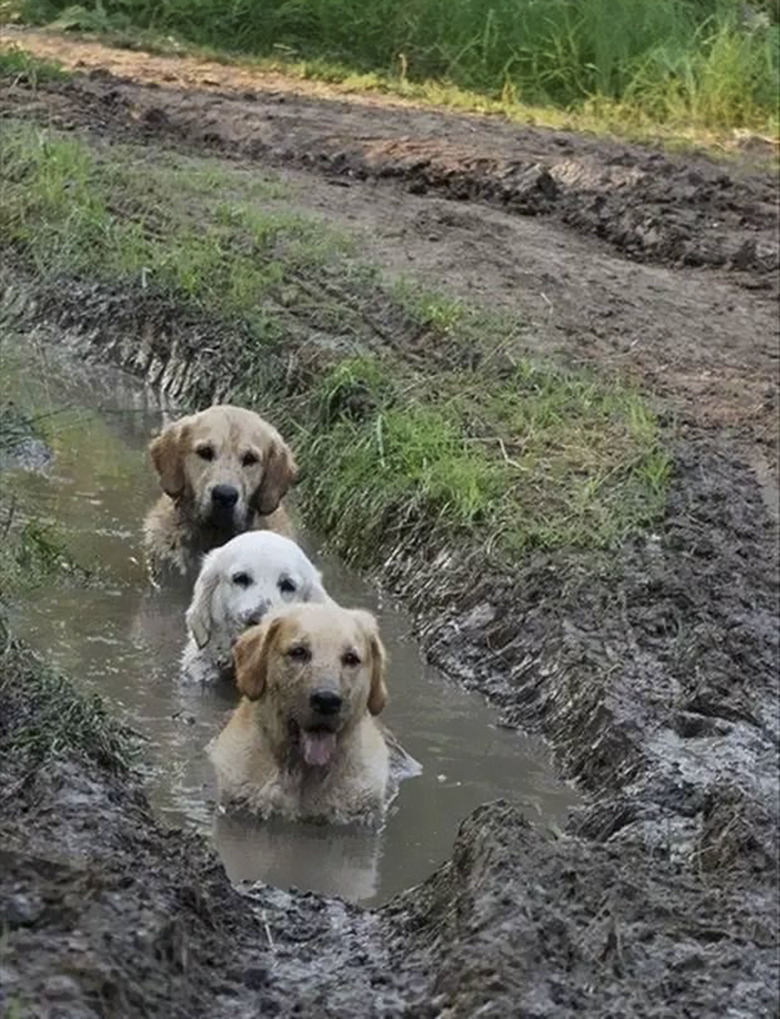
(424,419)
(42,716)
(688,67)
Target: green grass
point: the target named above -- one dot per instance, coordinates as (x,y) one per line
(15,427)
(542,459)
(709,62)
(30,551)
(43,716)
(22,66)
(71,210)
(404,406)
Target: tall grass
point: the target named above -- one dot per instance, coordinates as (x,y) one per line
(712,61)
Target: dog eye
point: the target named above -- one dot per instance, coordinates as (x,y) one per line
(242,579)
(350,658)
(299,653)
(249,458)
(205,452)
(286,586)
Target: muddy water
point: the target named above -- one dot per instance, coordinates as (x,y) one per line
(116,636)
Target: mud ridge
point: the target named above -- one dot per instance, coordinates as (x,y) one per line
(142,921)
(647,205)
(653,676)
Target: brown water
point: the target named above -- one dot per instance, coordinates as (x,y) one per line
(116,636)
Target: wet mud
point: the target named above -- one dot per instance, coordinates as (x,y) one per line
(652,673)
(659,266)
(648,205)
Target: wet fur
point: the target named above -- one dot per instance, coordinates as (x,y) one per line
(220,610)
(257,756)
(177,529)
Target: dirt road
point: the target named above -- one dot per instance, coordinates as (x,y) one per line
(655,682)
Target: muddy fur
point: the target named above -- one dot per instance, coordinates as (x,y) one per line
(279,755)
(220,448)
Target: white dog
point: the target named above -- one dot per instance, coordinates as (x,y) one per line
(237,584)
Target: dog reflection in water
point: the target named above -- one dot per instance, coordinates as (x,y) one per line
(330,860)
(304,743)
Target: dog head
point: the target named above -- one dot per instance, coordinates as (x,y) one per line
(316,670)
(224,464)
(242,580)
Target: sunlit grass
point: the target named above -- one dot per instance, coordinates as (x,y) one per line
(544,459)
(71,209)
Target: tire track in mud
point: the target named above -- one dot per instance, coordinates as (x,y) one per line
(655,679)
(649,206)
(689,307)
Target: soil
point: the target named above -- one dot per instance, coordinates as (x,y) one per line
(657,265)
(652,673)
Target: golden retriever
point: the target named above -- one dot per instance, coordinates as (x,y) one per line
(303,743)
(223,471)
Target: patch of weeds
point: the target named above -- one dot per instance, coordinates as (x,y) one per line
(30,552)
(13,1008)
(42,716)
(21,66)
(41,550)
(16,426)
(586,455)
(541,460)
(401,470)
(428,308)
(69,210)
(352,389)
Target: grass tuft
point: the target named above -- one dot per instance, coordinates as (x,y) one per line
(544,459)
(21,66)
(71,210)
(44,717)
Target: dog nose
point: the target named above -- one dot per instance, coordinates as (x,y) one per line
(256,616)
(225,496)
(325,702)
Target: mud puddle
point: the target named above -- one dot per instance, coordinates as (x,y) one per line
(116,636)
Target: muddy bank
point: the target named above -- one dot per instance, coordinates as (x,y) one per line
(647,205)
(652,672)
(142,921)
(107,914)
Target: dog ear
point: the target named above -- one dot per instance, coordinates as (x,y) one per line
(377,695)
(250,657)
(279,473)
(167,452)
(315,592)
(198,615)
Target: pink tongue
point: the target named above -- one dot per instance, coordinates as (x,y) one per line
(318,747)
